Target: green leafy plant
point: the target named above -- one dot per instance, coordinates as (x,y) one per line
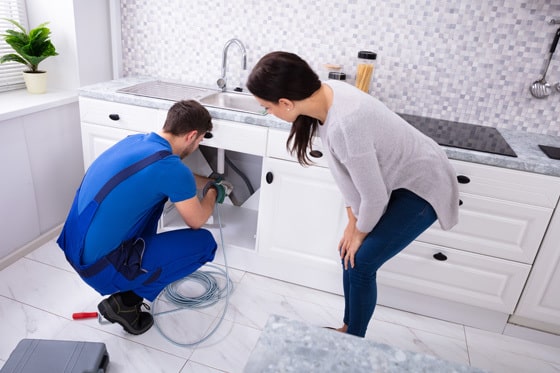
(31,47)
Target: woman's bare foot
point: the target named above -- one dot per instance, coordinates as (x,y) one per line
(343,328)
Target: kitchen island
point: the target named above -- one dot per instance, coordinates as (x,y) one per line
(293,346)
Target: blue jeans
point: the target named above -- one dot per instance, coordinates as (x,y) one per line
(406,217)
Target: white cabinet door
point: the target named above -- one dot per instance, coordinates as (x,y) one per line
(55,156)
(301,220)
(19,222)
(539,306)
(96,139)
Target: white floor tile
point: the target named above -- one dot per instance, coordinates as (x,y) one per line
(420,322)
(415,340)
(295,291)
(51,254)
(192,367)
(19,321)
(500,353)
(45,287)
(228,349)
(251,305)
(125,355)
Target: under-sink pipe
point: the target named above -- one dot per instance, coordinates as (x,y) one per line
(221,159)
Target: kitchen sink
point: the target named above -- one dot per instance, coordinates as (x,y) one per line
(176,92)
(233,101)
(167,90)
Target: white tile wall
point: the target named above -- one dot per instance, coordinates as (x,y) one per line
(463,60)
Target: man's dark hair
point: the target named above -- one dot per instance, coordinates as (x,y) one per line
(186,116)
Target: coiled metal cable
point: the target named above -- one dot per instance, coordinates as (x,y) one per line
(213,294)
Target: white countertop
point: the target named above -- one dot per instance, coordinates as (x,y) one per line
(19,102)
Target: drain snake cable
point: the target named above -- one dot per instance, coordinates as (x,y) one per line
(212,295)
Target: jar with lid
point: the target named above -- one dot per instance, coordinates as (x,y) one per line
(337,75)
(326,70)
(364,72)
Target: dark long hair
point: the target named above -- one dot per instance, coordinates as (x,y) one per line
(286,75)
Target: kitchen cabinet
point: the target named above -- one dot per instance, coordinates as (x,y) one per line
(503,213)
(20,223)
(484,261)
(301,216)
(41,168)
(104,123)
(301,220)
(539,306)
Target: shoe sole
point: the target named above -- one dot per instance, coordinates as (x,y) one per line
(107,312)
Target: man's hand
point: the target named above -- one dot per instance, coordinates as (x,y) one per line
(223,189)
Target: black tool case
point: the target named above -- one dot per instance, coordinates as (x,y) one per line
(43,355)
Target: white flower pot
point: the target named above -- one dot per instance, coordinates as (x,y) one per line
(35,82)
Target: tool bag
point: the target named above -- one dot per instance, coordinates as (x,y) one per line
(43,355)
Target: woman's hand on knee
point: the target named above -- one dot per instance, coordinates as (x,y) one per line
(349,246)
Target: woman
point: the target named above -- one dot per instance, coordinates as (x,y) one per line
(396,182)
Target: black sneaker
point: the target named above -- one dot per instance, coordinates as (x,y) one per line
(132,319)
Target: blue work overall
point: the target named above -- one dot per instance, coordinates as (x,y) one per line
(125,259)
(122,269)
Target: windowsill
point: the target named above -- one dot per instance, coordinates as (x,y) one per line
(19,102)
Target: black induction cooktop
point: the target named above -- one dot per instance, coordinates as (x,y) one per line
(462,135)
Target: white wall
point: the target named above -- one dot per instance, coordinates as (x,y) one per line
(81,34)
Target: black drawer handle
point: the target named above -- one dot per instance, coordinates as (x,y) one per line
(316,154)
(114,116)
(208,135)
(460,202)
(462,179)
(440,256)
(269,177)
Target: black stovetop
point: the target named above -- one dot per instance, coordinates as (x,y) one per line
(462,135)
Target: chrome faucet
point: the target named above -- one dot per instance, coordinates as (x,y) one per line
(222,81)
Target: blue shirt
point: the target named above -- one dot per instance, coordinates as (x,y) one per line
(126,208)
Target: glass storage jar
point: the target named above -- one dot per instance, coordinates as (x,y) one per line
(364,71)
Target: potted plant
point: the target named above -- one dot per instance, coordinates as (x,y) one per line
(30,49)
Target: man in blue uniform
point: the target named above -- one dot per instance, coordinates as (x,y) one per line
(110,233)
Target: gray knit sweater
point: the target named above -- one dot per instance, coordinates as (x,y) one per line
(372,151)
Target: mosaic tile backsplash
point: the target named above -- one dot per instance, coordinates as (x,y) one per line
(470,61)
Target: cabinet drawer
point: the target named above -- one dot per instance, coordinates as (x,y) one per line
(113,114)
(506,184)
(238,137)
(458,276)
(494,227)
(277,148)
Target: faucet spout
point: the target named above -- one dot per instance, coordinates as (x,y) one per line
(222,81)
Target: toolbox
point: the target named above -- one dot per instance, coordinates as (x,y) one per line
(43,355)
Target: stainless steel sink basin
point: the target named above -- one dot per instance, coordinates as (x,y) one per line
(176,92)
(233,101)
(167,90)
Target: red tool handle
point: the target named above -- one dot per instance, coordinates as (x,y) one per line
(84,315)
